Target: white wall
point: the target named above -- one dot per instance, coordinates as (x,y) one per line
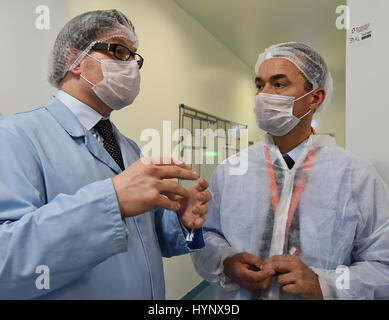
(247,27)
(24,53)
(183,64)
(367,69)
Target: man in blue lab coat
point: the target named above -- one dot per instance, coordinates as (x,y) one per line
(77,201)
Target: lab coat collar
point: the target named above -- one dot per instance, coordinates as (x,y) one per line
(74,128)
(85,114)
(67,119)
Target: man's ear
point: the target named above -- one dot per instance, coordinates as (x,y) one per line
(319,96)
(70,56)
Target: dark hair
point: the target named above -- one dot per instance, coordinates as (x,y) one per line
(307,85)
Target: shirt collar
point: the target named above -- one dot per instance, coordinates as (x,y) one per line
(294,153)
(85,114)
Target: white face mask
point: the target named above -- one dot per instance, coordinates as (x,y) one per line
(274,113)
(121,83)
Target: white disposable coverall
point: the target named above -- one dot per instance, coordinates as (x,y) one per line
(343,220)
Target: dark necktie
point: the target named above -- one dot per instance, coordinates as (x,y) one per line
(289,161)
(104,128)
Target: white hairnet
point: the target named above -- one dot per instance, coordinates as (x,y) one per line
(79,35)
(307,60)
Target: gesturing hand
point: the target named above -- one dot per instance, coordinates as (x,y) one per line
(294,276)
(142,186)
(193,209)
(239,269)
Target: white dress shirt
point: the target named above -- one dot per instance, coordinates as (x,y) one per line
(85,114)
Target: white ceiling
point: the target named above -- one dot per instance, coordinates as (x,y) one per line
(247,27)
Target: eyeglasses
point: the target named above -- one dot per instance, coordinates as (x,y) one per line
(120,52)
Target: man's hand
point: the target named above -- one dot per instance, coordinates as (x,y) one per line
(295,276)
(142,186)
(239,268)
(193,209)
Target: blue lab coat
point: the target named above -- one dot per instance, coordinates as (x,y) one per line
(58,208)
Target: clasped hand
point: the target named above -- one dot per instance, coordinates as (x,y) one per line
(251,273)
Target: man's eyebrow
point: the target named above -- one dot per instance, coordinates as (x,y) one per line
(278,77)
(273,78)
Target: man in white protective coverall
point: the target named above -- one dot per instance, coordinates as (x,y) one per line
(308,220)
